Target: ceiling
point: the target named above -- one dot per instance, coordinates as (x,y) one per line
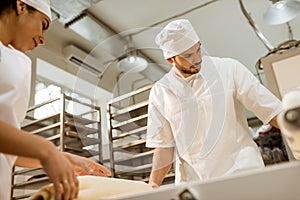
(223,30)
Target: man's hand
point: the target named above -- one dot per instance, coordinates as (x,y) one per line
(153,185)
(274,123)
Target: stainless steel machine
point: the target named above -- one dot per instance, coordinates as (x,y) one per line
(276,182)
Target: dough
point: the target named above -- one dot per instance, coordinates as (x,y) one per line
(96,187)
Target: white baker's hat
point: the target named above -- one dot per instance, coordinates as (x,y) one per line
(176,37)
(41,5)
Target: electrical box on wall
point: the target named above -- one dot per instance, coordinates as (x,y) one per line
(81,59)
(282,71)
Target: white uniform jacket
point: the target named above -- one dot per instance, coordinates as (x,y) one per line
(203,118)
(15,75)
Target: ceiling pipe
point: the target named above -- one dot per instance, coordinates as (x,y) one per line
(258,32)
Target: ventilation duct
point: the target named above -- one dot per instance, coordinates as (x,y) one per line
(74,15)
(69,9)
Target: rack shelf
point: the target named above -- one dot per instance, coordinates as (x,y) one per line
(34,184)
(138,131)
(136,156)
(78,134)
(130,145)
(127,126)
(133,110)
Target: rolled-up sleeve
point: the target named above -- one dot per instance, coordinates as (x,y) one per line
(254,96)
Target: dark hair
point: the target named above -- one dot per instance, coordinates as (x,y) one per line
(7,4)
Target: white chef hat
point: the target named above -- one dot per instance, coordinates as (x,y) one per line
(41,5)
(176,37)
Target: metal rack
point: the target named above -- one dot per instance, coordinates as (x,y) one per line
(77,131)
(270,143)
(127,125)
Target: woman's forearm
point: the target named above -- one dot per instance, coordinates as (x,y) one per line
(17,142)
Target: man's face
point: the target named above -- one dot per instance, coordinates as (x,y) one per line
(189,62)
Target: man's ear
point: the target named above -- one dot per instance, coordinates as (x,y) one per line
(21,7)
(170,60)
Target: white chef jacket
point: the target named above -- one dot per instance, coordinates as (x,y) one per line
(203,118)
(15,75)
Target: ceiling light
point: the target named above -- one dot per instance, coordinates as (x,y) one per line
(282,11)
(131,59)
(132,64)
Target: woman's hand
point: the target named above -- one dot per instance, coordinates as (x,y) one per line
(62,174)
(84,166)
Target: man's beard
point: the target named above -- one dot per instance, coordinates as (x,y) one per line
(191,70)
